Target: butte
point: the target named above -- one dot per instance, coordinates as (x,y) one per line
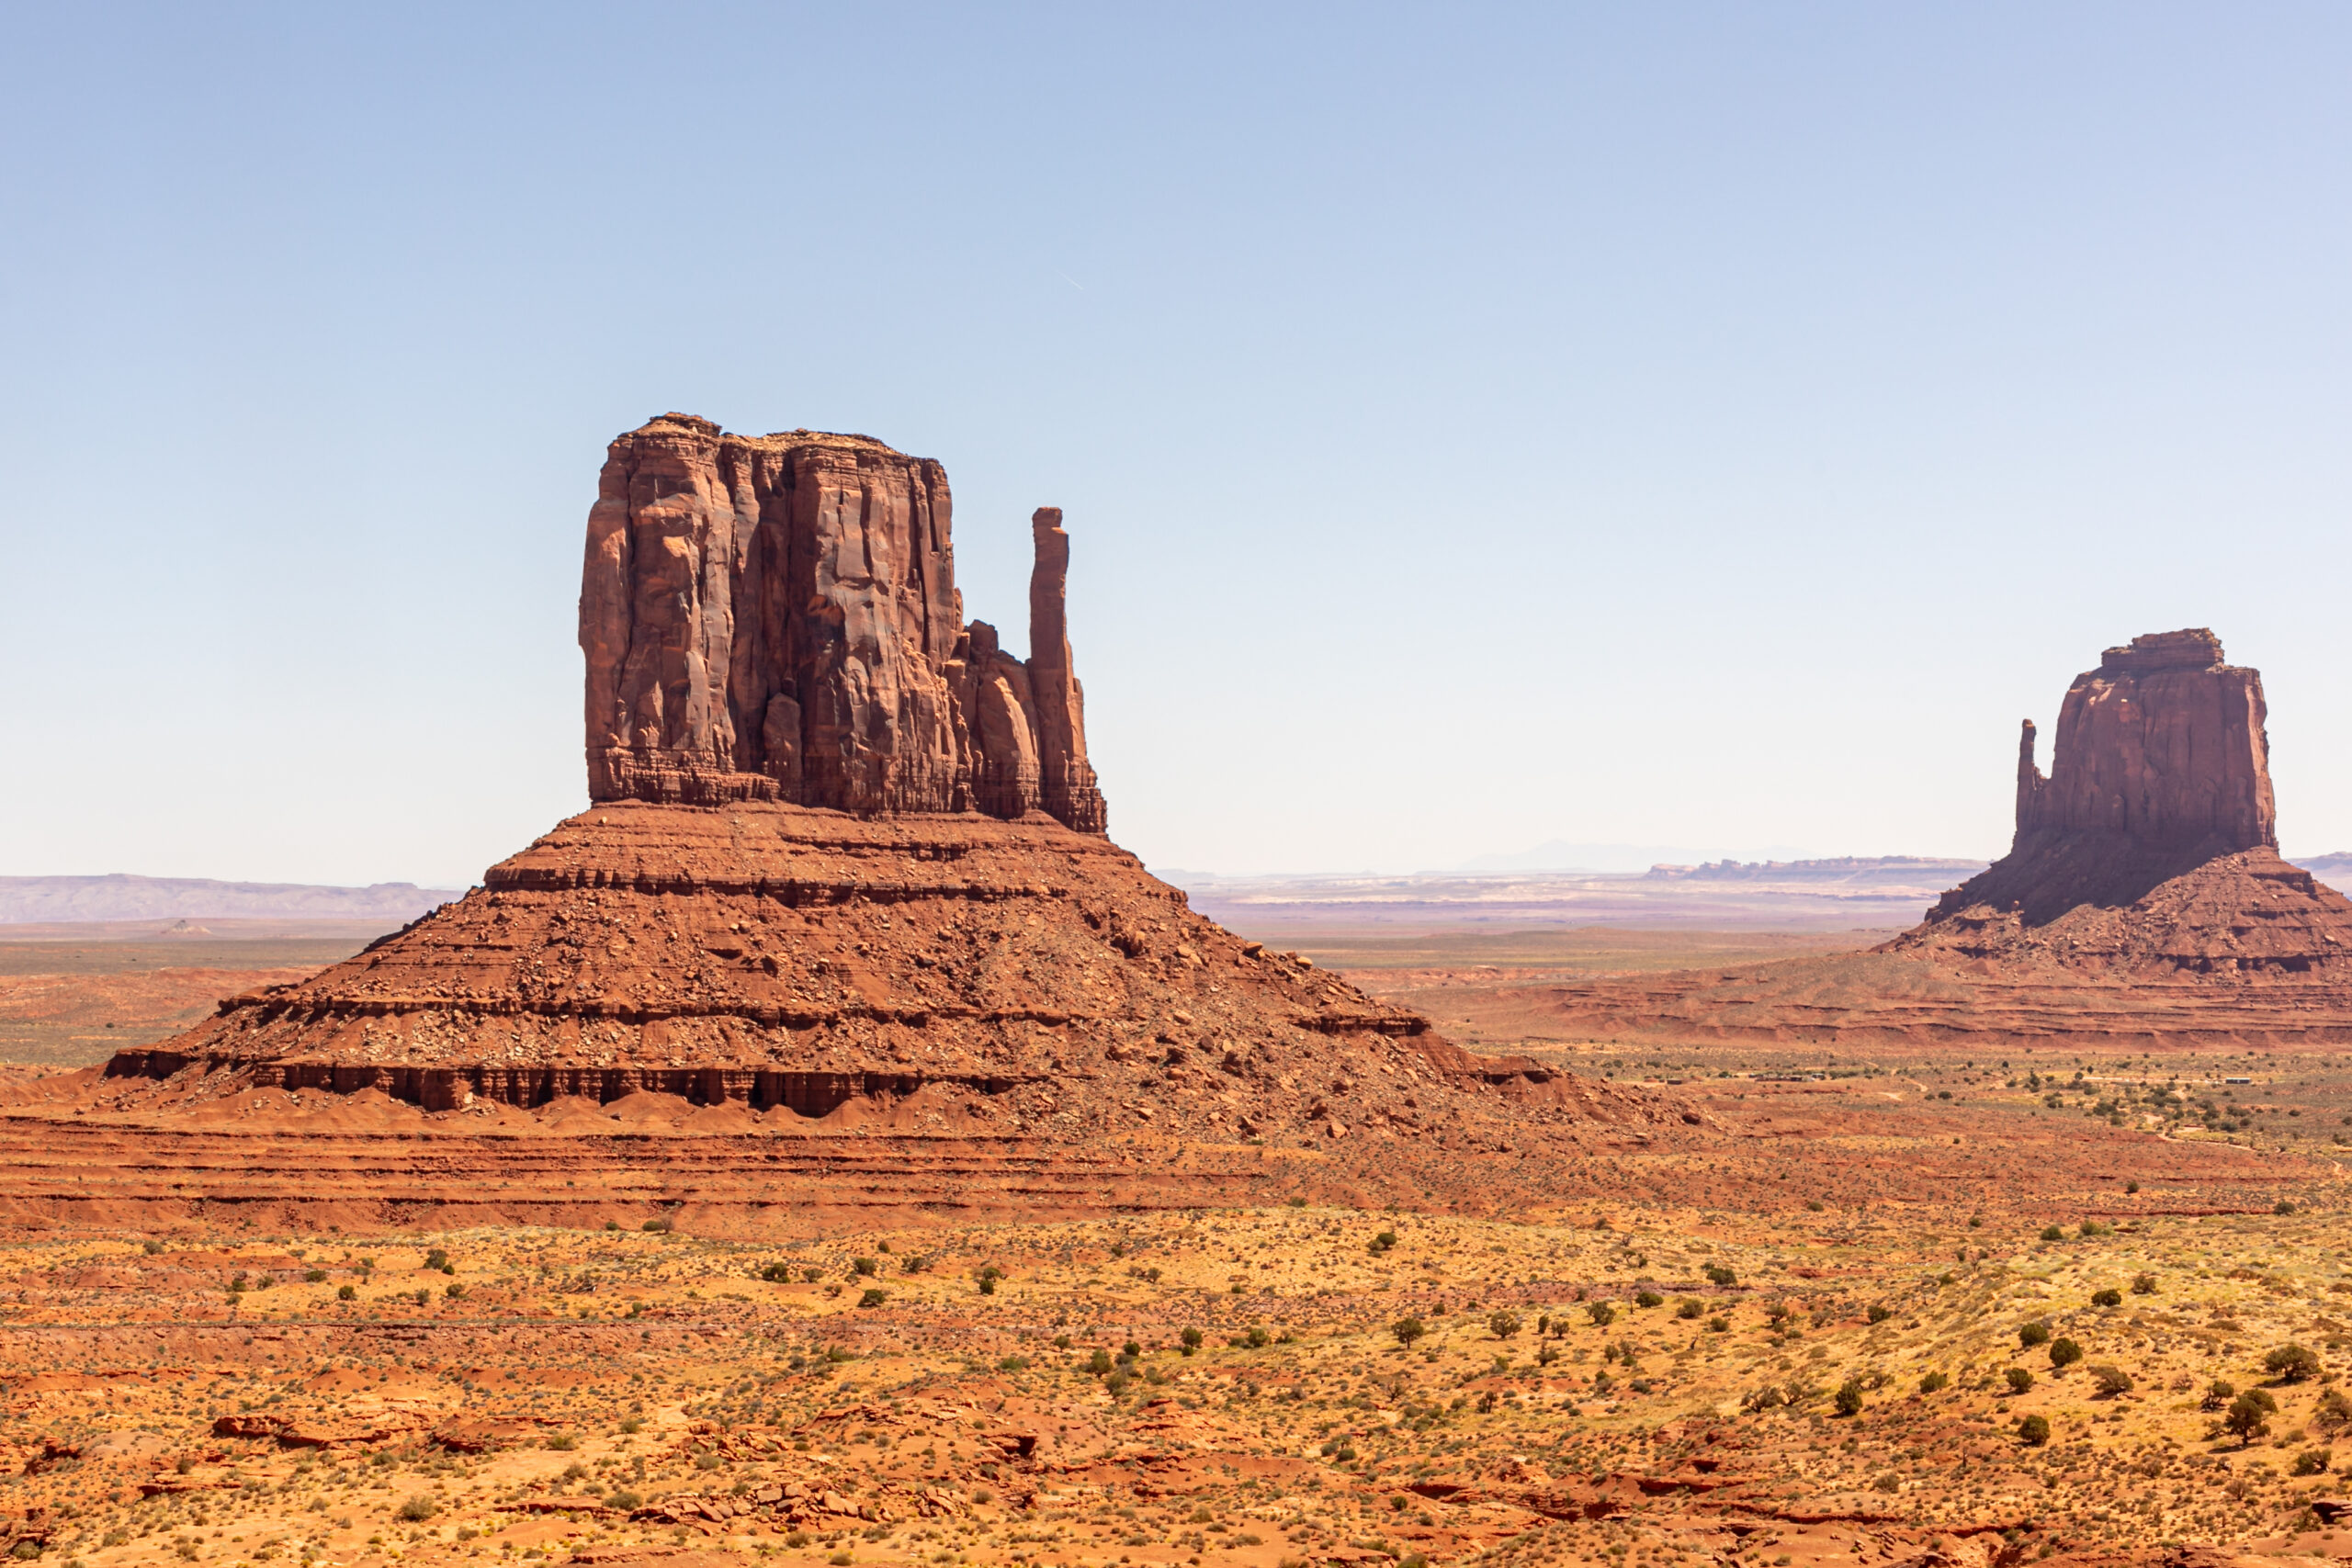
(2142,904)
(841,934)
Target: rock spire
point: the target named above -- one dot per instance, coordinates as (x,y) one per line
(776,618)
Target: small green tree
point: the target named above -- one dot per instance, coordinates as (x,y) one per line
(2033,1430)
(2019,1380)
(1406,1329)
(2110,1382)
(1192,1337)
(2032,1334)
(1601,1314)
(2218,1393)
(1848,1398)
(1934,1382)
(2063,1353)
(2290,1363)
(1648,1299)
(1503,1324)
(2249,1417)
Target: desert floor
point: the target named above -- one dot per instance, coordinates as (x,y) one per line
(1791,1344)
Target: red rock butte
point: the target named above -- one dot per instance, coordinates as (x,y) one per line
(844,888)
(2143,902)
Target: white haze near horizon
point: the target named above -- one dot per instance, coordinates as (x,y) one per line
(1703,425)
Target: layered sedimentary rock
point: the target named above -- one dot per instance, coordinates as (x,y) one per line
(2153,840)
(847,877)
(776,618)
(2143,902)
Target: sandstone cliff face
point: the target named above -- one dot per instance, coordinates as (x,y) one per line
(776,618)
(2162,743)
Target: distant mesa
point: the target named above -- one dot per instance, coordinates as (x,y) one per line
(39,900)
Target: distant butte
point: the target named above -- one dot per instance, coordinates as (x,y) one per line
(2143,902)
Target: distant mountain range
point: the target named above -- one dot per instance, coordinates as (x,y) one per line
(48,900)
(1851,892)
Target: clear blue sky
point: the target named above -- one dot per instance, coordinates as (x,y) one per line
(1711,426)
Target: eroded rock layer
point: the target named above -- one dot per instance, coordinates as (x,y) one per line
(959,976)
(776,618)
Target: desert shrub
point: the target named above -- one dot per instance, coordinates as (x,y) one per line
(453,1291)
(1381,1243)
(2312,1461)
(2110,1297)
(315,1276)
(2290,1363)
(346,1292)
(1779,1312)
(2248,1415)
(796,1539)
(1192,1337)
(2052,1233)
(2033,1430)
(1689,1309)
(1257,1338)
(1601,1314)
(1934,1382)
(2144,1284)
(1012,1364)
(811,1274)
(2019,1380)
(1099,1363)
(437,1261)
(874,1297)
(2111,1381)
(563,1442)
(1877,1314)
(656,1227)
(1815,1206)
(1503,1324)
(865,1267)
(1850,1397)
(416,1510)
(2217,1394)
(1648,1299)
(2063,1353)
(2032,1334)
(1719,1275)
(2284,1206)
(632,1425)
(624,1501)
(778,1273)
(1405,1329)
(1768,1397)
(1889,1481)
(1298,1202)
(1719,1326)
(2333,1409)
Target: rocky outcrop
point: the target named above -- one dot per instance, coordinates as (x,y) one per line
(776,618)
(2164,744)
(2161,764)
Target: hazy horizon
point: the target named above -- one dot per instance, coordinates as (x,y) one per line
(1676,425)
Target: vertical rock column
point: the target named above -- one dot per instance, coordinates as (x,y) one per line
(1067,783)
